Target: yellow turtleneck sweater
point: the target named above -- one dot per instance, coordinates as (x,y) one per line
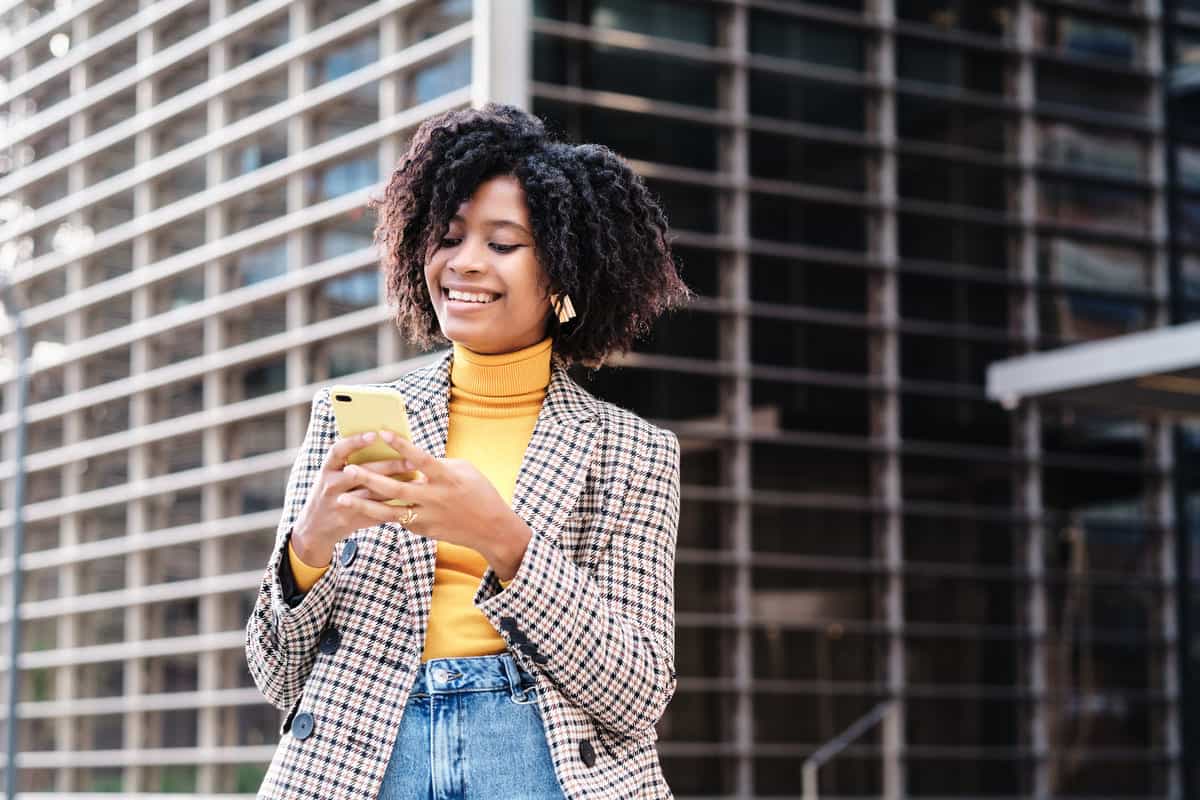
(494,403)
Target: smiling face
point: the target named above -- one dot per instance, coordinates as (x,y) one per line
(488,254)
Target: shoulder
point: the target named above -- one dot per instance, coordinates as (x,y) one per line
(642,440)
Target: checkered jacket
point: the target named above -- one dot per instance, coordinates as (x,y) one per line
(591,606)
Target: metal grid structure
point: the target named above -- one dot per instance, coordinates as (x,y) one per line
(874,199)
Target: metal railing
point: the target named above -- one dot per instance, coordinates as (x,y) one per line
(837,744)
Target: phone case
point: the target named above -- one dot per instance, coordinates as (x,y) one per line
(358,409)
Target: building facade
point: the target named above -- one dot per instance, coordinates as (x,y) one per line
(873,199)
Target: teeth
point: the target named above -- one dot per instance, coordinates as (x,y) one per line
(470,297)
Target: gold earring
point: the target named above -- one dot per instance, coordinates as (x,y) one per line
(565,310)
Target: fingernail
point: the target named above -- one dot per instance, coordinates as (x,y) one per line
(388,436)
(368,436)
(408,464)
(352,471)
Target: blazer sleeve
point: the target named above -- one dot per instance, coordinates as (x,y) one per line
(605,638)
(285,623)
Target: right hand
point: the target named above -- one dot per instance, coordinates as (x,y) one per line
(323,522)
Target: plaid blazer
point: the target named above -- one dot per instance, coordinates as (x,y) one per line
(593,598)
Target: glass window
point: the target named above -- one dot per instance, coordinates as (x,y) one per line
(1079,315)
(257,321)
(954,420)
(351,292)
(606,68)
(945,298)
(686,333)
(634,136)
(344,58)
(669,19)
(956,183)
(106,367)
(779,406)
(833,105)
(1094,205)
(103,472)
(179,291)
(944,122)
(1081,88)
(263,205)
(181,77)
(688,206)
(180,25)
(1063,144)
(179,237)
(343,177)
(822,224)
(187,181)
(834,165)
(344,355)
(951,66)
(439,77)
(262,38)
(1069,34)
(946,360)
(267,147)
(253,437)
(810,41)
(1094,266)
(989,17)
(953,241)
(180,130)
(352,231)
(178,399)
(116,59)
(430,19)
(347,113)
(261,379)
(265,91)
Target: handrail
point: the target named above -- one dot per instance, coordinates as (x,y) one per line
(837,744)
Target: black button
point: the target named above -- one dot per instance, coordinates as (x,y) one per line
(528,649)
(518,637)
(349,551)
(330,640)
(508,624)
(302,726)
(585,752)
(540,659)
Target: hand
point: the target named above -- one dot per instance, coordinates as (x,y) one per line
(453,500)
(323,522)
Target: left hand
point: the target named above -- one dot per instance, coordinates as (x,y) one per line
(454,501)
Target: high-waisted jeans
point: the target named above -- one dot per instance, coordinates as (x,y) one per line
(471,730)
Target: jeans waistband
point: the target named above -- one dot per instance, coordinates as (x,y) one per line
(472,674)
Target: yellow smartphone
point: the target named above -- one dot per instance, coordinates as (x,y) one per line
(358,409)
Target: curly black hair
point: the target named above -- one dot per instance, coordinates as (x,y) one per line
(598,233)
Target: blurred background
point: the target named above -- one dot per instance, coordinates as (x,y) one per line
(875,200)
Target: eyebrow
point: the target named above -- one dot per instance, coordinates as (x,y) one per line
(496,223)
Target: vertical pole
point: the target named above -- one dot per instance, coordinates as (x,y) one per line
(14,625)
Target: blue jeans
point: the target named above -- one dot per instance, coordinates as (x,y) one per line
(471,730)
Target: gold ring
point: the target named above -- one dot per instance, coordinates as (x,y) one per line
(409,517)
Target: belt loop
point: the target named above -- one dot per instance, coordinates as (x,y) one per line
(514,679)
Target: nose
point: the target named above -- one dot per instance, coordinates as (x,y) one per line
(470,258)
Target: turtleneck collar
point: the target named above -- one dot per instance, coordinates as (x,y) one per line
(509,375)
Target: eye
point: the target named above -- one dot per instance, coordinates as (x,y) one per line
(449,241)
(504,248)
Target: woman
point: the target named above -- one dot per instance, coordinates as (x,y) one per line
(509,633)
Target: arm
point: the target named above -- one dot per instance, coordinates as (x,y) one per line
(607,639)
(283,628)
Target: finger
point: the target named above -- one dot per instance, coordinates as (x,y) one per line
(420,459)
(339,454)
(380,512)
(383,485)
(391,468)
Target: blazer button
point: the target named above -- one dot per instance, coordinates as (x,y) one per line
(349,551)
(508,624)
(529,649)
(518,637)
(585,751)
(330,640)
(302,726)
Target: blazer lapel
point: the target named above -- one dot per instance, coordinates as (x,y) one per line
(553,470)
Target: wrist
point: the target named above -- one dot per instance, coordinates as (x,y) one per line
(508,547)
(313,554)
